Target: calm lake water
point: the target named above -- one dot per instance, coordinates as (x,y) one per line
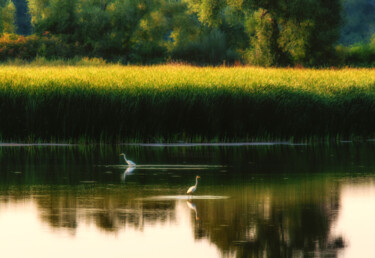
(261,200)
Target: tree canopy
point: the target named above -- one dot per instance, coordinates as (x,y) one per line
(257,32)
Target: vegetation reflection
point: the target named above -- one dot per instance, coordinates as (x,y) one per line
(276,206)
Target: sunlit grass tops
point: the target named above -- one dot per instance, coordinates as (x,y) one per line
(167,76)
(184,102)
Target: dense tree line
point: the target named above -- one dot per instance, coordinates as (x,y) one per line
(257,32)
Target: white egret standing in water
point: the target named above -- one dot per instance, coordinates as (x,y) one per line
(130,163)
(192,189)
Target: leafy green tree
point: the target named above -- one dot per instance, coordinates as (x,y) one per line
(310,30)
(212,35)
(148,40)
(39,10)
(62,19)
(294,40)
(7,16)
(263,38)
(167,31)
(281,32)
(208,11)
(262,32)
(93,25)
(57,17)
(259,19)
(183,26)
(125,17)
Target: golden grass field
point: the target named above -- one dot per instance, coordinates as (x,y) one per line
(181,102)
(164,77)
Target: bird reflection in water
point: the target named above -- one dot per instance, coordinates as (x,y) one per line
(193,207)
(128,171)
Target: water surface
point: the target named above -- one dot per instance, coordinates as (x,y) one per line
(271,200)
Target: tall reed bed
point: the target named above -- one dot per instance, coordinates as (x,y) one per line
(172,103)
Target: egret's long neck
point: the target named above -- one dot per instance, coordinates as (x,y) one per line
(196,181)
(125,158)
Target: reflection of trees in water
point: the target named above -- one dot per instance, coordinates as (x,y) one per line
(281,218)
(109,211)
(285,220)
(59,211)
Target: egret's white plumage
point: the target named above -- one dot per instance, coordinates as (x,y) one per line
(194,187)
(130,163)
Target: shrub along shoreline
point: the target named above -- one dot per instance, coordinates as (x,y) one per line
(169,103)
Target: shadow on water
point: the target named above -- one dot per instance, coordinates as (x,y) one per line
(277,200)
